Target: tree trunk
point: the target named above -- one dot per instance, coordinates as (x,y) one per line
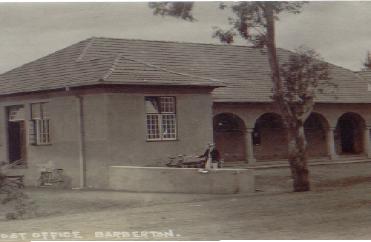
(2,179)
(278,87)
(298,157)
(2,175)
(297,143)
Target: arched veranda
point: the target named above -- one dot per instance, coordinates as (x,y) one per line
(229,136)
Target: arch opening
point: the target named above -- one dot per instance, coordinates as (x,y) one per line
(270,138)
(349,134)
(229,136)
(315,128)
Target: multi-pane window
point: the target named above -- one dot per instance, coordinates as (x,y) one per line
(161,118)
(40,124)
(16,113)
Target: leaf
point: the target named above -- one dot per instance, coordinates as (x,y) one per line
(182,10)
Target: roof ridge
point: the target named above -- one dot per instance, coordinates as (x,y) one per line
(216,45)
(170,71)
(112,69)
(174,41)
(85,49)
(360,75)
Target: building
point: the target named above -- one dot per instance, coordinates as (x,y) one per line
(105,102)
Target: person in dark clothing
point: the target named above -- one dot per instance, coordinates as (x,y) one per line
(211,156)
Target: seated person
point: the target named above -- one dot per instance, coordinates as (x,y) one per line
(214,155)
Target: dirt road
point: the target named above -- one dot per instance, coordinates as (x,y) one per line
(343,213)
(339,207)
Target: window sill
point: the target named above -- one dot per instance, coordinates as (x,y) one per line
(161,140)
(41,144)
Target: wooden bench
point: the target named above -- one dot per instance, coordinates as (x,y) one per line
(19,179)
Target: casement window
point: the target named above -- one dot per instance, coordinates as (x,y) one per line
(161,118)
(40,124)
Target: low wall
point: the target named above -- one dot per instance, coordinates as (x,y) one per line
(181,180)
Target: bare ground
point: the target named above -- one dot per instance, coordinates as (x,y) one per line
(339,207)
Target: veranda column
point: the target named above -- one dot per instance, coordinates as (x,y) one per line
(331,143)
(366,142)
(249,146)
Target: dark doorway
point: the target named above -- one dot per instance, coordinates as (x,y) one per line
(350,129)
(16,141)
(347,136)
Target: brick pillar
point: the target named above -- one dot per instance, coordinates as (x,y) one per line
(331,143)
(249,146)
(366,142)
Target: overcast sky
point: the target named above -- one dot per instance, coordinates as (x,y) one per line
(339,31)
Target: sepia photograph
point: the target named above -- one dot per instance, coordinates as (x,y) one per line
(185,121)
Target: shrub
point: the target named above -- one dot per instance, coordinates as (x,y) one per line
(13,194)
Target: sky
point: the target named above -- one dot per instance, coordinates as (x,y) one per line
(338,31)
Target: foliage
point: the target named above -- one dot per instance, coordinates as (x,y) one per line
(181,10)
(12,194)
(367,63)
(304,75)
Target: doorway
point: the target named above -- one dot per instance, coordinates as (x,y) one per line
(347,136)
(349,130)
(16,135)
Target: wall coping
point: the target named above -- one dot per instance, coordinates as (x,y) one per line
(176,168)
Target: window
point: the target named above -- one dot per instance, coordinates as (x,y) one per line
(40,124)
(16,113)
(161,118)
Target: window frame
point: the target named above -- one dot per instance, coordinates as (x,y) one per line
(42,135)
(159,124)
